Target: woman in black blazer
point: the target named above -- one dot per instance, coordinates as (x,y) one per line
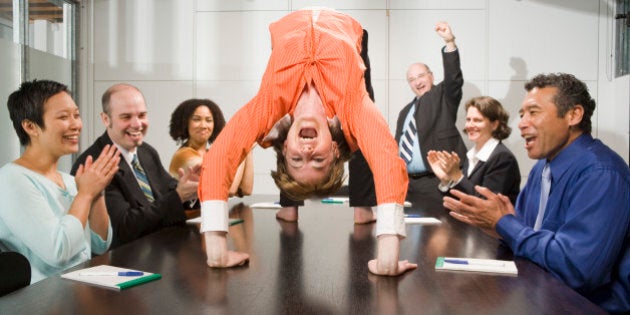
(490,163)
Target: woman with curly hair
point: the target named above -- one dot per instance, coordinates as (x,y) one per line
(195,124)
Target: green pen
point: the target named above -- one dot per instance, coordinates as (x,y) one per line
(328,200)
(236,221)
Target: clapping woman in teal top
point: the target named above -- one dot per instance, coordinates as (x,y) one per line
(54,219)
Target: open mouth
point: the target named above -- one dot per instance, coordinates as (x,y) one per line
(308,133)
(529,140)
(135,134)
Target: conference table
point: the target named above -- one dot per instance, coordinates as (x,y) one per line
(315,266)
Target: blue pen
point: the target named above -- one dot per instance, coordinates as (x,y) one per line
(456,261)
(476,262)
(412,215)
(130,273)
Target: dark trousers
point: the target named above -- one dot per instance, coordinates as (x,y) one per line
(424,187)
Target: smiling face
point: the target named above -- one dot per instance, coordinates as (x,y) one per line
(478,127)
(309,149)
(200,126)
(127,121)
(62,125)
(544,132)
(420,79)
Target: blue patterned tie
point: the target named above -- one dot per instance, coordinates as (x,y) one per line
(141,176)
(408,139)
(545,188)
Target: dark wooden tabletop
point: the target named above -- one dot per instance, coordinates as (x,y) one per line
(316,266)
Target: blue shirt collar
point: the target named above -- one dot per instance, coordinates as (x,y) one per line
(569,155)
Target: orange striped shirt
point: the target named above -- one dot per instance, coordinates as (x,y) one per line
(310,46)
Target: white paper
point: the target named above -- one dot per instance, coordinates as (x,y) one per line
(347,199)
(478,265)
(106,281)
(423,221)
(266,205)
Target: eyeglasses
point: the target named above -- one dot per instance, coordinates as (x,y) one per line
(417,76)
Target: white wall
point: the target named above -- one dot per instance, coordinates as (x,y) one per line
(11,77)
(178,49)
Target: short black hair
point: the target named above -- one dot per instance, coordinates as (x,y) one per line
(27,103)
(571,92)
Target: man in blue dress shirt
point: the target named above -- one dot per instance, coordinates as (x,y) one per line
(582,236)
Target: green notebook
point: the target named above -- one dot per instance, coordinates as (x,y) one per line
(111,277)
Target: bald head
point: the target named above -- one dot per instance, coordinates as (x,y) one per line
(420,78)
(107,96)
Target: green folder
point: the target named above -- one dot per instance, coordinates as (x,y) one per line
(106,276)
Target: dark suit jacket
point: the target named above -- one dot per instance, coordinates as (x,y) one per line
(131,214)
(500,174)
(437,112)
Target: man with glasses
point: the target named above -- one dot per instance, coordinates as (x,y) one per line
(428,121)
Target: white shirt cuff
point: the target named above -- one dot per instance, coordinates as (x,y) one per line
(445,188)
(214,216)
(390,219)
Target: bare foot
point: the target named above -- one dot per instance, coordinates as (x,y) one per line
(363,215)
(289,214)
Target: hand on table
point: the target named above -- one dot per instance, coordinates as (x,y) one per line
(386,263)
(403,266)
(231,259)
(218,254)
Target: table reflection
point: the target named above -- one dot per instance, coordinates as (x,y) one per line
(317,266)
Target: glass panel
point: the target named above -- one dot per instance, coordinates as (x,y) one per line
(50,53)
(622,41)
(49,48)
(11,78)
(6,20)
(10,72)
(37,41)
(49,27)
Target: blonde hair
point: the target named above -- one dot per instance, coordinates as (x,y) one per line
(297,191)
